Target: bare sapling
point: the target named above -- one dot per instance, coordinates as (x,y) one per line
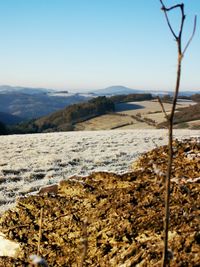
(170,117)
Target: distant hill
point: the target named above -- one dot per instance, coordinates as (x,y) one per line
(3,129)
(188,114)
(33,103)
(116,90)
(130,98)
(188,93)
(24,90)
(184,116)
(30,103)
(122,90)
(9,119)
(195,98)
(65,119)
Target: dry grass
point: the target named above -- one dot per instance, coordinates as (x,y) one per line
(104,122)
(147,109)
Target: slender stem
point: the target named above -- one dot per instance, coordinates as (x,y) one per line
(85,243)
(180,57)
(193,33)
(169,167)
(170,119)
(167,197)
(40,231)
(163,108)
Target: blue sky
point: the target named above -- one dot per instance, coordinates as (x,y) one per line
(91,44)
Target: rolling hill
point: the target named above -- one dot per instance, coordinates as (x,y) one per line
(30,103)
(115,90)
(123,90)
(9,119)
(24,90)
(65,119)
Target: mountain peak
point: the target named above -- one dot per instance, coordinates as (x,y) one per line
(116,90)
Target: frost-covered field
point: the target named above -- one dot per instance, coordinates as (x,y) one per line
(30,161)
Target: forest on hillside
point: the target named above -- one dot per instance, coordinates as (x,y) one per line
(64,119)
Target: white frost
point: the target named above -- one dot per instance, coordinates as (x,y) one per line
(28,162)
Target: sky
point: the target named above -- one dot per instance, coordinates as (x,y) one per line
(93,44)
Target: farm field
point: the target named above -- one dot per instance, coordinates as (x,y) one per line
(133,115)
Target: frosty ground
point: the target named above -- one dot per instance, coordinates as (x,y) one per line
(30,161)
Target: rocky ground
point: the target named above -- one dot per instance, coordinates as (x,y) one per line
(108,219)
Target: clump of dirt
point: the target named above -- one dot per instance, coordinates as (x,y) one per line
(113,220)
(186,161)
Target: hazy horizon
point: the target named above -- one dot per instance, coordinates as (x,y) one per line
(85,90)
(84,45)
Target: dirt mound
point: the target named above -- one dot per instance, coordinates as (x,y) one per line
(113,220)
(186,161)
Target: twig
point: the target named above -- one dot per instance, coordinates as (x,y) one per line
(166,16)
(85,243)
(163,108)
(40,231)
(193,33)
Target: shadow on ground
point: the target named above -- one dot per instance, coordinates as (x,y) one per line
(127,106)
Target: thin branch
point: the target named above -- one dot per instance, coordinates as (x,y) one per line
(85,243)
(167,18)
(40,231)
(193,33)
(181,27)
(172,7)
(163,108)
